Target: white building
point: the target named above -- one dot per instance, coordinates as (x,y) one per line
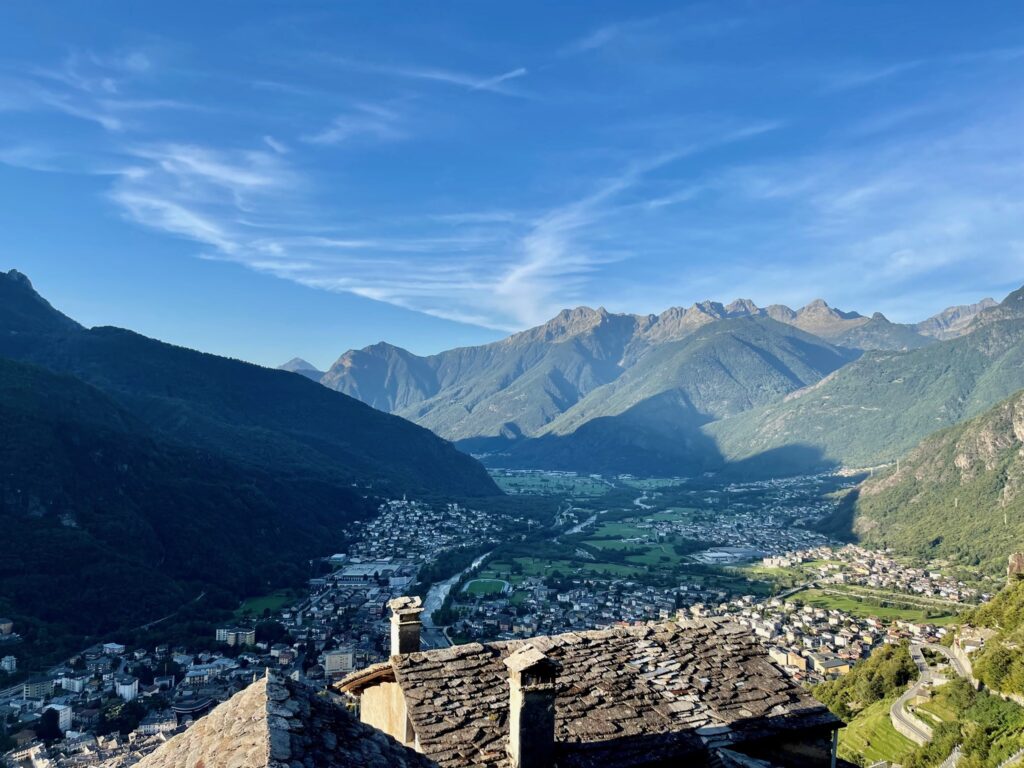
(236,635)
(339,661)
(73,684)
(127,688)
(63,716)
(158,722)
(113,649)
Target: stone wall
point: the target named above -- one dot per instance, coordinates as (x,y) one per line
(383,707)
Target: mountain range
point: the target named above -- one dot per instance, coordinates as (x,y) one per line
(597,391)
(880,406)
(136,475)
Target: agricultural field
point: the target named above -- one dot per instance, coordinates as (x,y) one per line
(871,736)
(530,482)
(652,483)
(272,602)
(866,608)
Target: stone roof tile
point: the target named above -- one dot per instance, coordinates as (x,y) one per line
(625,696)
(277,723)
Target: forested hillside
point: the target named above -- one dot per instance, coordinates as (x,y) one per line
(1000,664)
(107,526)
(879,407)
(267,418)
(136,476)
(959,494)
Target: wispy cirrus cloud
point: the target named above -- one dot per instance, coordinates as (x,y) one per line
(858,77)
(684,24)
(498,83)
(369,120)
(87,87)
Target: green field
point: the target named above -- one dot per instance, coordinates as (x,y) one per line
(544,483)
(676,513)
(618,530)
(273,602)
(656,555)
(866,608)
(479,587)
(536,567)
(871,736)
(938,708)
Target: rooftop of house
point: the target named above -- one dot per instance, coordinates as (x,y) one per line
(626,696)
(277,723)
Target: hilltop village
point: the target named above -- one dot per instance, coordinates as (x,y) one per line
(115,703)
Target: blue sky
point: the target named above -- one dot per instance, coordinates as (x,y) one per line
(268,179)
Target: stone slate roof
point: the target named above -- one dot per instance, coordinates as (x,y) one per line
(626,696)
(277,723)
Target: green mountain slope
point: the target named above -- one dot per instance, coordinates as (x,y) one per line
(648,420)
(268,419)
(880,406)
(959,494)
(516,385)
(107,525)
(723,368)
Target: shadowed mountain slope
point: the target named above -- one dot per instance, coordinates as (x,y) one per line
(269,419)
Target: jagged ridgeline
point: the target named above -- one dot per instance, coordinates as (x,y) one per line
(688,390)
(135,475)
(879,407)
(594,390)
(959,494)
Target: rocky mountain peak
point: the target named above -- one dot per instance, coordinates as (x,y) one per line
(297,364)
(741,307)
(566,324)
(710,308)
(20,278)
(23,310)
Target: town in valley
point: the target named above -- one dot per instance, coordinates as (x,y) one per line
(611,551)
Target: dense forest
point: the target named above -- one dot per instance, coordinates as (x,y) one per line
(957,495)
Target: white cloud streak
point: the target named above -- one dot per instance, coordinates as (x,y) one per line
(470,82)
(369,120)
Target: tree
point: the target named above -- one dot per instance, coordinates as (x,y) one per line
(48,727)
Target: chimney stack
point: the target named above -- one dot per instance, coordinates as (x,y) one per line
(531,725)
(405,624)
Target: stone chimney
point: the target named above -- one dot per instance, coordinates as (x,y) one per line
(531,724)
(405,624)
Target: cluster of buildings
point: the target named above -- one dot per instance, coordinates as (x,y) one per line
(417,532)
(536,608)
(863,567)
(814,644)
(8,639)
(342,624)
